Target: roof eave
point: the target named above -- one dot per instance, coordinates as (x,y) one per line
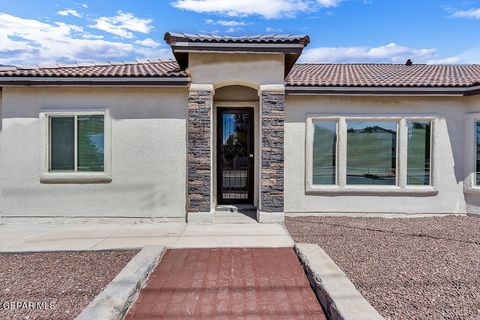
(94,81)
(383,91)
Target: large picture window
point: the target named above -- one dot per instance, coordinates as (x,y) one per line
(371,152)
(381,154)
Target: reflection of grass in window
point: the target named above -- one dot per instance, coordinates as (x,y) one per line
(91,143)
(371,153)
(324,153)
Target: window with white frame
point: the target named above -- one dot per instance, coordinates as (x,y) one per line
(350,151)
(324,152)
(76,146)
(477,152)
(371,152)
(419,152)
(77,143)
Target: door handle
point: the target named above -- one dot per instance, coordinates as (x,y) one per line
(251,155)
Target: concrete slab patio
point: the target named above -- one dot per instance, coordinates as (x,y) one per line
(101,236)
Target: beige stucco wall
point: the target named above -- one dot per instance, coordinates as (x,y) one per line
(234,69)
(148,152)
(450,160)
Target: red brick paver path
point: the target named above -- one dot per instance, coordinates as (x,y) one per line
(227,284)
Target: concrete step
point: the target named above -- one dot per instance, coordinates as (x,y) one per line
(235,208)
(235,214)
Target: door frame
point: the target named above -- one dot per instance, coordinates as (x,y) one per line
(251,144)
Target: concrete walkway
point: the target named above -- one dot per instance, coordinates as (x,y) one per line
(101,236)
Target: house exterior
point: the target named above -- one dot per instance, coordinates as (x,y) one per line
(234,120)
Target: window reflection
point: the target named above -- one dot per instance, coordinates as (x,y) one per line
(477,128)
(235,159)
(371,152)
(418,163)
(324,152)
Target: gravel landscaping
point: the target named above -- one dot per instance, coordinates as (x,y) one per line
(418,268)
(55,285)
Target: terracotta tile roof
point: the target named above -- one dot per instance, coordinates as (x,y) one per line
(384,75)
(146,68)
(302,75)
(261,38)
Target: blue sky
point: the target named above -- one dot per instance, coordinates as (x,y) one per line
(52,31)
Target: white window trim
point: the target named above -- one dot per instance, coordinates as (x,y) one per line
(471,153)
(341,187)
(47,176)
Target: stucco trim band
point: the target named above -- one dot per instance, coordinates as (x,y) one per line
(47,176)
(401,187)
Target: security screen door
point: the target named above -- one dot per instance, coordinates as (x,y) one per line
(235,156)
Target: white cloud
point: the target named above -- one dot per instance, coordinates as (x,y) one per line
(273,30)
(268,9)
(123,24)
(471,55)
(155,53)
(226,23)
(69,12)
(448,60)
(390,53)
(30,42)
(91,36)
(232,30)
(473,13)
(148,42)
(83,5)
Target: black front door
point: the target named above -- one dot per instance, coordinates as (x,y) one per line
(235,157)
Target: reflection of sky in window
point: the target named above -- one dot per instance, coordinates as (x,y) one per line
(98,141)
(359,125)
(228,126)
(411,126)
(329,126)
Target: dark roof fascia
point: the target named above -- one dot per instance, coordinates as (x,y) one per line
(175,37)
(383,91)
(95,81)
(245,47)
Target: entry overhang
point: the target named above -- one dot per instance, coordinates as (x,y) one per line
(291,46)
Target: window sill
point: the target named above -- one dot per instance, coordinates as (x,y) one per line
(75,177)
(372,190)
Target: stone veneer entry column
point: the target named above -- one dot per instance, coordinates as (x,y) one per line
(199,153)
(272,118)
